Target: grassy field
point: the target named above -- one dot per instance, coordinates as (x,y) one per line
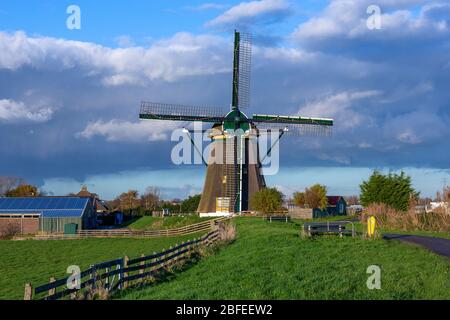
(36,261)
(270,261)
(157,223)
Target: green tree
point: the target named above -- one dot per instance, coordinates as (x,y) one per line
(316,196)
(24,190)
(299,199)
(190,205)
(267,200)
(394,190)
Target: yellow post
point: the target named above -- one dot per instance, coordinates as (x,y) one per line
(371,222)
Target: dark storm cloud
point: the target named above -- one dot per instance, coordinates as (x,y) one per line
(388,93)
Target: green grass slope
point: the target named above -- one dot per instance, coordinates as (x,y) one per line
(36,261)
(270,261)
(157,223)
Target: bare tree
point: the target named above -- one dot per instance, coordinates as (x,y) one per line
(438,197)
(129,200)
(446,194)
(352,200)
(9,183)
(151,199)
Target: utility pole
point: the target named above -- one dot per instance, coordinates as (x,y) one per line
(444,188)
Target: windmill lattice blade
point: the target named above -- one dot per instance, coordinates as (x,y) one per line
(245,64)
(291,120)
(296,129)
(178,112)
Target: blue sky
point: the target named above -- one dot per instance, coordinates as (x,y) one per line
(69,99)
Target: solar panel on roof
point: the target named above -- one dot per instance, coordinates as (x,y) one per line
(37,204)
(50,207)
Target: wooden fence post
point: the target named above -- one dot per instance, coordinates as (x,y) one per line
(28,295)
(125,274)
(92,276)
(161,258)
(107,278)
(177,252)
(154,261)
(142,270)
(169,263)
(53,290)
(188,252)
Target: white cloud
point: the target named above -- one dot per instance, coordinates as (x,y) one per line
(208,6)
(13,111)
(125,41)
(252,12)
(341,107)
(118,130)
(180,56)
(348,20)
(416,127)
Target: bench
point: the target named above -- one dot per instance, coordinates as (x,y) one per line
(279,218)
(330,227)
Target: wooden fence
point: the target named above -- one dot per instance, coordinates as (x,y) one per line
(127,233)
(118,274)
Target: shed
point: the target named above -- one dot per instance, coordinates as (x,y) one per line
(47,214)
(337,206)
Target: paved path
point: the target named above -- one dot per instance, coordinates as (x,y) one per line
(437,245)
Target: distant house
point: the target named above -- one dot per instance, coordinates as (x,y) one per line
(47,214)
(100,206)
(436,205)
(337,206)
(104,215)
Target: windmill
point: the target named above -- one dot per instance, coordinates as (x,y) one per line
(230,183)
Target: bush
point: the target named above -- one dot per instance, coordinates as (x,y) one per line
(410,220)
(393,190)
(267,200)
(227,232)
(10,230)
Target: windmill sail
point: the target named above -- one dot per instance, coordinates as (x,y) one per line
(242,70)
(294,125)
(177,112)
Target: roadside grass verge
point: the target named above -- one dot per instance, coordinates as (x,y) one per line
(436,234)
(158,223)
(36,261)
(361,227)
(270,261)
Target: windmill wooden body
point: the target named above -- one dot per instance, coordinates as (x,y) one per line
(231,182)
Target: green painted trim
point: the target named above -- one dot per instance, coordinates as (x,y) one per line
(291,119)
(231,120)
(179,118)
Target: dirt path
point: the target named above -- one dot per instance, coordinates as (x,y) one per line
(437,245)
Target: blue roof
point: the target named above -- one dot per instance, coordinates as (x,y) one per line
(46,207)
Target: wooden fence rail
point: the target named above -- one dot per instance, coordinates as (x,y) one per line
(126,233)
(118,274)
